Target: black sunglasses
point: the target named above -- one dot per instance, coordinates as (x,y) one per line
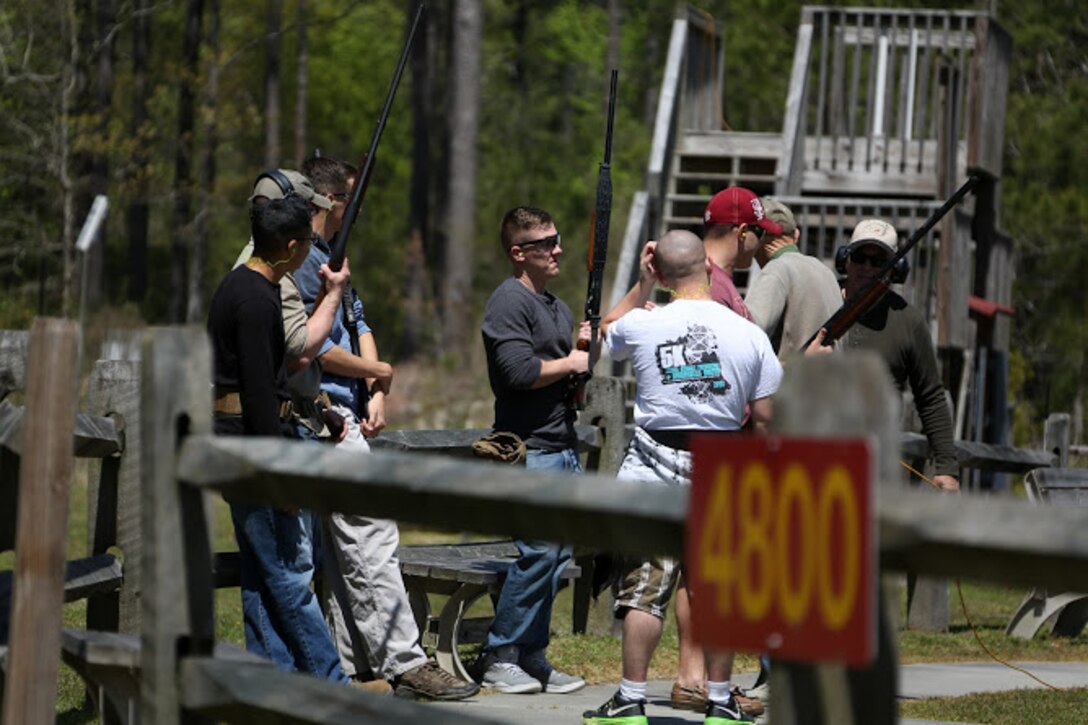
(757,230)
(546,243)
(874,260)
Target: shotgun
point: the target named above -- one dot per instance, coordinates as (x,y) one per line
(598,251)
(864,299)
(339,243)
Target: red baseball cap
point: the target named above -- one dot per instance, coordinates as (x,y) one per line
(737,205)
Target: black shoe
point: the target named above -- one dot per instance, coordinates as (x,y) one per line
(617,711)
(729,713)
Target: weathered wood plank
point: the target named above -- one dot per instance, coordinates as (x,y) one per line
(1059,486)
(119,649)
(439,491)
(730,143)
(999,540)
(472,563)
(13,349)
(176,563)
(245,693)
(82,578)
(982,456)
(93,436)
(42,530)
(114,493)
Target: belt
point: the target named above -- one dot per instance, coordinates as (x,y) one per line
(231,404)
(680,438)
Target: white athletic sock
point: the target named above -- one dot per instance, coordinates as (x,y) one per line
(719,691)
(631,690)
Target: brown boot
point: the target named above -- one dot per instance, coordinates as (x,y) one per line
(431,682)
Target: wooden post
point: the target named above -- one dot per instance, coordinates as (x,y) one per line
(606,409)
(42,531)
(177,603)
(1056,438)
(841,395)
(114,494)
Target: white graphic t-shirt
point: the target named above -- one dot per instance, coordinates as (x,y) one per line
(696,364)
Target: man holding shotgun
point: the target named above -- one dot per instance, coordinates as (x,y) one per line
(899,334)
(527,340)
(367,607)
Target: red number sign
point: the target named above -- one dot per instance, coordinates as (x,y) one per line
(780,547)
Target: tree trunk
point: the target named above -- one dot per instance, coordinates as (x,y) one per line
(302,86)
(105,26)
(183,162)
(198,266)
(419,199)
(67,10)
(136,218)
(464,129)
(274,16)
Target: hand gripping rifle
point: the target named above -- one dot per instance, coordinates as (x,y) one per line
(598,251)
(864,299)
(339,243)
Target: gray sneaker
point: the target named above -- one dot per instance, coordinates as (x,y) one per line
(509,678)
(551,679)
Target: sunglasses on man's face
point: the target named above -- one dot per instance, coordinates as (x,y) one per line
(757,230)
(875,259)
(548,244)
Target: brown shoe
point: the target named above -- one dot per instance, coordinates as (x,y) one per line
(431,682)
(749,706)
(687,698)
(375,687)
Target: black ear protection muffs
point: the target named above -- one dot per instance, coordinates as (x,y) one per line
(281,180)
(899,271)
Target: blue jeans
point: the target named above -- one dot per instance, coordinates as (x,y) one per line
(523,613)
(283,621)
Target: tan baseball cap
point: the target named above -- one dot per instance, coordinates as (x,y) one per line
(874,231)
(780,214)
(268,187)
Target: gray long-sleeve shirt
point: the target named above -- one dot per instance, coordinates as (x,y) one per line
(898,333)
(521,328)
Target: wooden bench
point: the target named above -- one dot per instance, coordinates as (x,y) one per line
(1060,487)
(465,573)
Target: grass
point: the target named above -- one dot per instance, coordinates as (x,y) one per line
(1026,706)
(597,657)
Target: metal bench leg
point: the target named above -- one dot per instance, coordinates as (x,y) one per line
(421,606)
(1036,608)
(449,626)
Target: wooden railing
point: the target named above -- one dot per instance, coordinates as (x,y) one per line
(874,92)
(990,539)
(184,674)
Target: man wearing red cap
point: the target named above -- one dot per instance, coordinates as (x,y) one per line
(733,224)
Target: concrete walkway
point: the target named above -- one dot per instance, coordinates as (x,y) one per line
(915,681)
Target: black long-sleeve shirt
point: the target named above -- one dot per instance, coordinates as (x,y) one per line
(245,323)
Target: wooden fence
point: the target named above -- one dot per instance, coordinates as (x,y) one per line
(184,677)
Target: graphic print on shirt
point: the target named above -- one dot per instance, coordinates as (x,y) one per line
(692,362)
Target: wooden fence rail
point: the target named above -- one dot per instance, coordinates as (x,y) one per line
(990,539)
(174,463)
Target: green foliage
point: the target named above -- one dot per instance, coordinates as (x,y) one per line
(1045,197)
(543,88)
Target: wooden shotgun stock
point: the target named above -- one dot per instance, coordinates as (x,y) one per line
(863,300)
